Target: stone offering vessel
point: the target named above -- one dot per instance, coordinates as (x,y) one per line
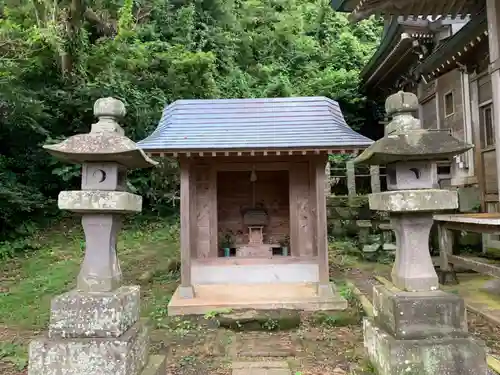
(416,328)
(96,328)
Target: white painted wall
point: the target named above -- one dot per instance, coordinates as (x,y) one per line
(254,274)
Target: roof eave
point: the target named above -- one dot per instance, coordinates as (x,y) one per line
(411,8)
(387,62)
(445,58)
(398,54)
(383,48)
(259,150)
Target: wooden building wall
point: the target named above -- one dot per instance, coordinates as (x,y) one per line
(484,140)
(449,89)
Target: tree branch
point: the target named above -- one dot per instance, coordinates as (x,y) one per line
(103,27)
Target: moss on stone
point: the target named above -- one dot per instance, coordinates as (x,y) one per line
(492,252)
(346,201)
(336,318)
(260,320)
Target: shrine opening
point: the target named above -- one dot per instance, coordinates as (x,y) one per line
(253,205)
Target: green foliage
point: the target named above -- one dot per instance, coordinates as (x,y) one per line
(57,59)
(15,354)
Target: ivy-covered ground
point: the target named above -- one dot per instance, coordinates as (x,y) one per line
(322,344)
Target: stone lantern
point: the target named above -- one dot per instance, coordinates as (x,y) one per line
(96,328)
(416,329)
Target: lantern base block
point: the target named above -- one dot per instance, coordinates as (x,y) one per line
(102,314)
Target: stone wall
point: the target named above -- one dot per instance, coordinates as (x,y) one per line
(350,218)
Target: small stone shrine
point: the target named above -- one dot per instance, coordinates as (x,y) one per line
(96,328)
(416,328)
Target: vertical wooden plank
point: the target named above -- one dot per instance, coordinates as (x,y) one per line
(201,219)
(302,202)
(447,274)
(313,206)
(213,211)
(294,222)
(476,134)
(493,15)
(185,223)
(445,247)
(321,234)
(467,104)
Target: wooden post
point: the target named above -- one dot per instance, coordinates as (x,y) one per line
(313,207)
(186,289)
(476,131)
(447,272)
(351,178)
(321,232)
(493,15)
(213,225)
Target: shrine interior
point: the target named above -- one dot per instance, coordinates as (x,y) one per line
(253,211)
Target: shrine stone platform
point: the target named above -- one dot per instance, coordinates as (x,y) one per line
(294,296)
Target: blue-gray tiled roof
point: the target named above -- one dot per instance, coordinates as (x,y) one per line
(224,124)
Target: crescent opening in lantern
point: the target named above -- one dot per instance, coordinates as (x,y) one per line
(416,171)
(102,175)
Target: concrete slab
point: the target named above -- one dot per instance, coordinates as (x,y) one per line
(303,296)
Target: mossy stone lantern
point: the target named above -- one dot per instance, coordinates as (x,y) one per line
(96,328)
(415,326)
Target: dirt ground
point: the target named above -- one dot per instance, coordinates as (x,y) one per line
(194,348)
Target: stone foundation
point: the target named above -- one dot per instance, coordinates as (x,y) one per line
(421,333)
(124,355)
(416,315)
(443,356)
(95,333)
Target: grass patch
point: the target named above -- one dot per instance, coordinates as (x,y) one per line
(14,354)
(39,276)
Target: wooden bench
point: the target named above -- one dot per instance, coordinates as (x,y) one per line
(488,223)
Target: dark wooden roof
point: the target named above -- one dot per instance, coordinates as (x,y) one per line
(361,9)
(396,54)
(462,48)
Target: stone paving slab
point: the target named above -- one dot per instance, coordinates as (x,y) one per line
(251,344)
(261,368)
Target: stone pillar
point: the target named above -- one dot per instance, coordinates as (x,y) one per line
(96,328)
(375,178)
(351,178)
(387,237)
(416,326)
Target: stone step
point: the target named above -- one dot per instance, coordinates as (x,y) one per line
(261,368)
(260,320)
